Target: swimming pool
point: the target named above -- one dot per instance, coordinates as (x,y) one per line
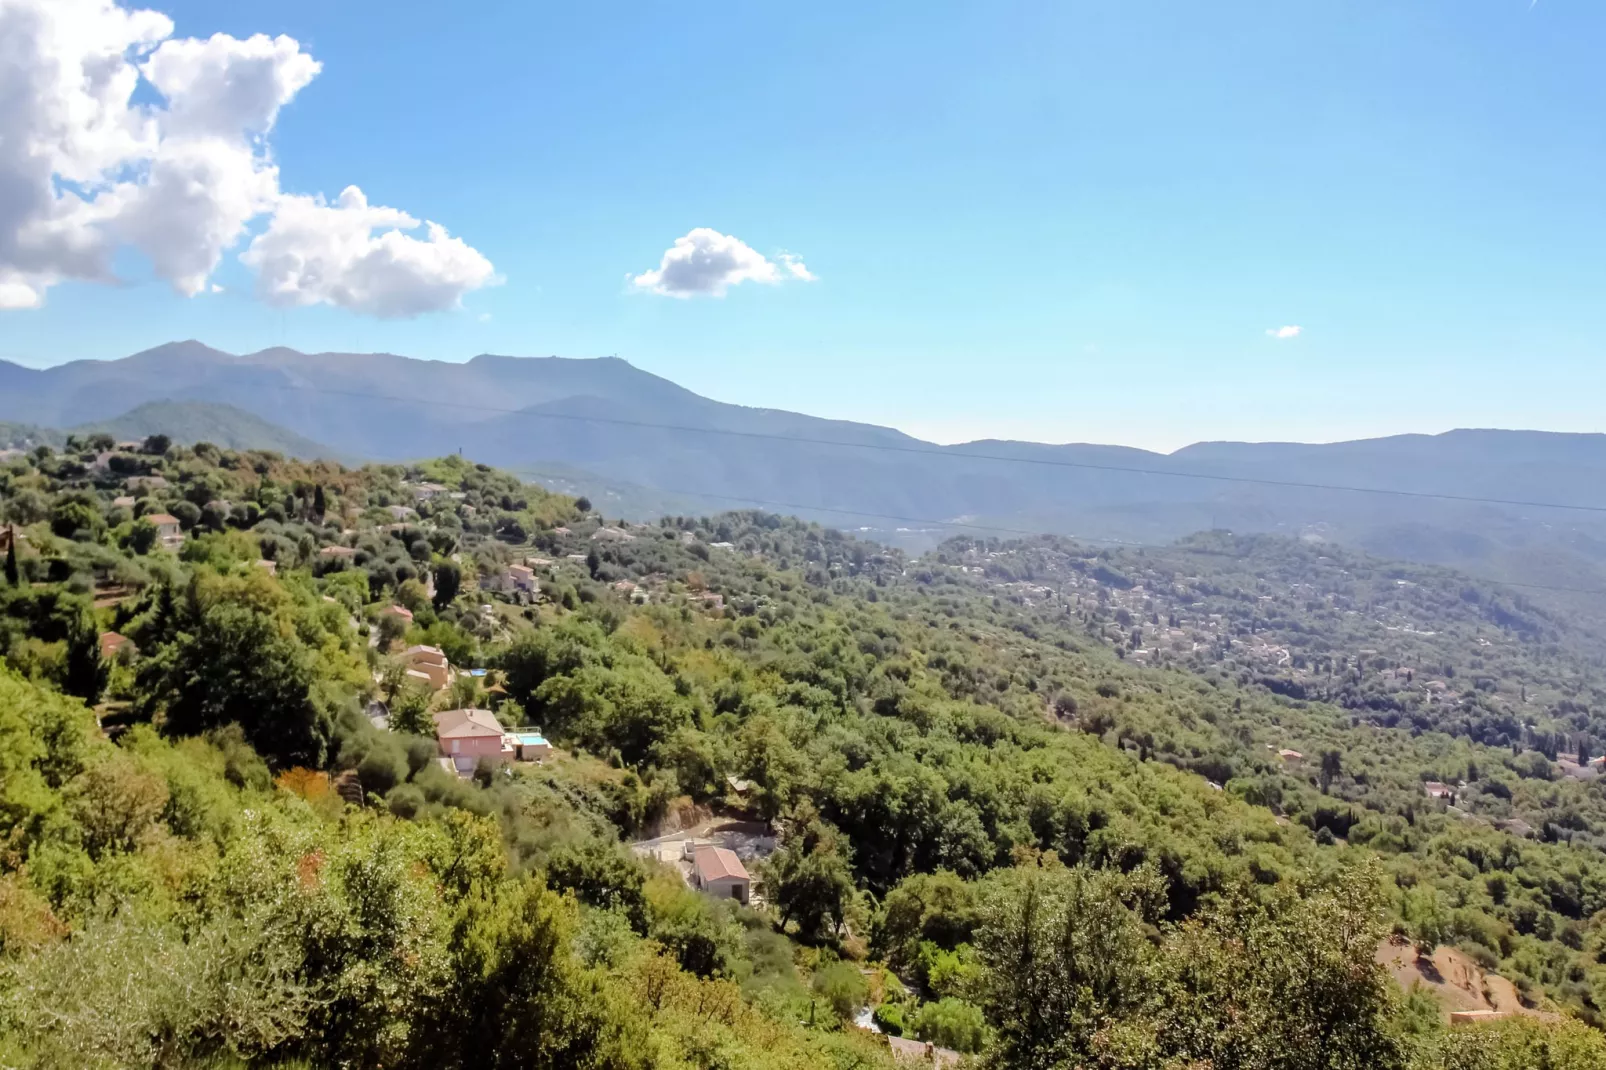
(530,739)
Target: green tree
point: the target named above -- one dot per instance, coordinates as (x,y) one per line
(141,536)
(13,573)
(409,711)
(448,581)
(843,988)
(239,666)
(320,504)
(1332,768)
(951,1023)
(808,878)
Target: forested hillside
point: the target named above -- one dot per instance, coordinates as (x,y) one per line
(227,839)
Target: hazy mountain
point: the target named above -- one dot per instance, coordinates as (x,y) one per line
(649,443)
(189,422)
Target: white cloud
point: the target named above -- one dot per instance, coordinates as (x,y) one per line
(84,169)
(706,262)
(318,253)
(1282,334)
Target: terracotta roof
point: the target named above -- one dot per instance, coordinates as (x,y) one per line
(399,611)
(425,653)
(716,863)
(462,724)
(111,642)
(161,518)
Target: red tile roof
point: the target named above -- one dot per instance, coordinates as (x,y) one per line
(717,863)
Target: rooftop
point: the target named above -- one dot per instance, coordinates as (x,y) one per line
(463,724)
(717,863)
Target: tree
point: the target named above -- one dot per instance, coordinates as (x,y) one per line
(448,581)
(1332,768)
(808,877)
(951,1023)
(320,504)
(70,516)
(157,444)
(13,574)
(582,504)
(141,536)
(239,666)
(409,711)
(843,988)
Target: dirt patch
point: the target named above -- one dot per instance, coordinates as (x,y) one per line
(1458,983)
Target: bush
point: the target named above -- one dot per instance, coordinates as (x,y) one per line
(843,988)
(951,1023)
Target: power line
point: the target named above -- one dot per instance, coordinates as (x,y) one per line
(949,454)
(965,526)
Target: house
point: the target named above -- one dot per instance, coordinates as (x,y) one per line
(612,535)
(111,643)
(426,491)
(400,512)
(145,483)
(123,501)
(168,530)
(1290,755)
(739,785)
(468,737)
(517,578)
(1436,790)
(339,552)
(717,871)
(398,611)
(270,567)
(431,663)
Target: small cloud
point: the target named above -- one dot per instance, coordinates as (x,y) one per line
(216,288)
(1282,334)
(706,262)
(484,317)
(794,265)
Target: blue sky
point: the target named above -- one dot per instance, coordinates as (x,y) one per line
(1056,221)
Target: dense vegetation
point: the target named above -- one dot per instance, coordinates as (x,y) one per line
(992,830)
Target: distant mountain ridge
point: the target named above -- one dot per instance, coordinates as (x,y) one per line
(633,429)
(189,422)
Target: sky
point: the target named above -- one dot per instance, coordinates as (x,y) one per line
(1145,222)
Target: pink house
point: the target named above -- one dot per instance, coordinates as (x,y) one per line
(467,736)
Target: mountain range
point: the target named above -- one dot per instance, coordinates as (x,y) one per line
(640,444)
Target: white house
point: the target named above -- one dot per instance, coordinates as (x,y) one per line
(718,872)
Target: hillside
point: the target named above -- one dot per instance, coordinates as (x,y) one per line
(189,422)
(956,775)
(629,429)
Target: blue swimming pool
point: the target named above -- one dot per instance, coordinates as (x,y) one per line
(530,739)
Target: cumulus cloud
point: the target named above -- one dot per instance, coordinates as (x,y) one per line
(706,262)
(1282,334)
(354,255)
(84,169)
